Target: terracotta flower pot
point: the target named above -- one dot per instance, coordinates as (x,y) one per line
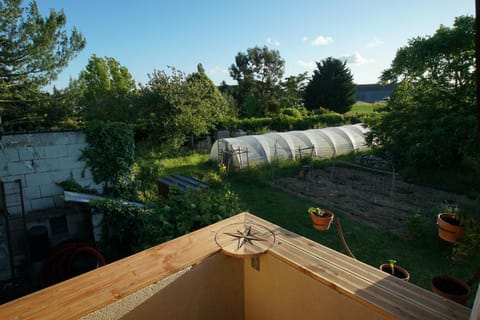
(322,222)
(451,288)
(449,228)
(398,271)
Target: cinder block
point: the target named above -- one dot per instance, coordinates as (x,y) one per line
(59,176)
(20,167)
(75,150)
(31,192)
(49,190)
(36,179)
(81,174)
(57,151)
(42,165)
(26,153)
(4,171)
(39,152)
(42,203)
(9,154)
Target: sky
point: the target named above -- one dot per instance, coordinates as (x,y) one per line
(148,35)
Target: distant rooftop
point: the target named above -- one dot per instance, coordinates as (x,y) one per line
(240,268)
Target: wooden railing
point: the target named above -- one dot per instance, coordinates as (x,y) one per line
(368,286)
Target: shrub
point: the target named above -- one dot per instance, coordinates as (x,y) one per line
(184,213)
(110,153)
(121,227)
(127,228)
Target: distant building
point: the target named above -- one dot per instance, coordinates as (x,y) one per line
(374,92)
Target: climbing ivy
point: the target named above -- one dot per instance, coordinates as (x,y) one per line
(110,153)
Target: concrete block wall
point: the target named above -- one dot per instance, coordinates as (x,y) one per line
(36,162)
(40,161)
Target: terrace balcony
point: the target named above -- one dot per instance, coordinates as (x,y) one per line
(240,268)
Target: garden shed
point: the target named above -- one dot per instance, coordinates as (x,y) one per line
(328,142)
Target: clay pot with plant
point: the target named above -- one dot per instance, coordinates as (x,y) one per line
(450,224)
(395,270)
(464,251)
(321,218)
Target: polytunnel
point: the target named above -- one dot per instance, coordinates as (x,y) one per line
(328,142)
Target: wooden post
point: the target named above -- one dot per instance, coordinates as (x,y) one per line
(477,68)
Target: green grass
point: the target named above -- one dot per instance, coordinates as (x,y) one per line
(424,255)
(364,107)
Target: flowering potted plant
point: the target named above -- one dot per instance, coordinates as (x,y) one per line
(321,218)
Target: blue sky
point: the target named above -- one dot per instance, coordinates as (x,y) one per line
(145,35)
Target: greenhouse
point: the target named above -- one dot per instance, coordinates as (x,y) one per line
(328,142)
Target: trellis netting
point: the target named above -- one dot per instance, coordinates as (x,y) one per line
(328,142)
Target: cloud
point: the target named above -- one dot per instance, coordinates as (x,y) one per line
(305,39)
(375,42)
(321,41)
(356,58)
(273,42)
(216,70)
(306,64)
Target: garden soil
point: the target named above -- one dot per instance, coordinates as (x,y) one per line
(381,200)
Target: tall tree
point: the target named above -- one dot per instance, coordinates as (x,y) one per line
(258,73)
(108,87)
(33,51)
(331,87)
(176,106)
(430,122)
(293,90)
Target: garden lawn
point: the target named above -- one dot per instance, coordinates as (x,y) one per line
(423,256)
(364,107)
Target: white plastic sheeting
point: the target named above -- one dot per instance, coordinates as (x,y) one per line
(242,151)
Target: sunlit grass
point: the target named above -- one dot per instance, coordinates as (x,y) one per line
(364,107)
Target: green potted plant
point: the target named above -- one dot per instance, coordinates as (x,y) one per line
(321,218)
(465,250)
(395,270)
(450,226)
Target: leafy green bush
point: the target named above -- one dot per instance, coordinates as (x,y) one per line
(110,154)
(184,213)
(128,228)
(288,119)
(121,227)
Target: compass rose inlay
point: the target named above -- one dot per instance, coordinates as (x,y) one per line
(244,239)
